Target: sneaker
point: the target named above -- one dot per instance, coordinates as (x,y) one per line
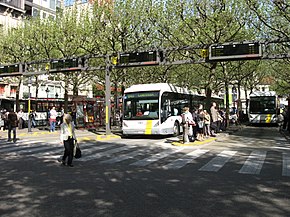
(9,140)
(61,161)
(70,165)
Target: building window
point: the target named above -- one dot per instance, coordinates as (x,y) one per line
(2,90)
(35,12)
(13,90)
(44,15)
(52,4)
(68,2)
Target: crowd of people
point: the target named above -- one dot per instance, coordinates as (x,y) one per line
(199,124)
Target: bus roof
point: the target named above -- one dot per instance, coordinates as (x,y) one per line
(158,87)
(263,93)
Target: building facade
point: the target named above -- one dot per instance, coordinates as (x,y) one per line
(12,14)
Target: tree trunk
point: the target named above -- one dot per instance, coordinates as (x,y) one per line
(17,96)
(66,95)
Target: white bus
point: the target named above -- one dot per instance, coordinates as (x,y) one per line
(263,107)
(155,109)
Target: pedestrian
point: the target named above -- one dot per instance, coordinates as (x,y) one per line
(187,123)
(206,123)
(214,119)
(285,114)
(200,123)
(52,119)
(12,122)
(68,139)
(194,127)
(74,116)
(32,117)
(5,118)
(20,115)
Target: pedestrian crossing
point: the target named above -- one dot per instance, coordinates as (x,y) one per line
(151,156)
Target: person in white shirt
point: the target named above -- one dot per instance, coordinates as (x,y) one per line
(52,119)
(20,115)
(187,122)
(67,138)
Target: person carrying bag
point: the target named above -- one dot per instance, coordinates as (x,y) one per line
(77,150)
(68,139)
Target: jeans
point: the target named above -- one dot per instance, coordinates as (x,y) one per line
(52,126)
(14,133)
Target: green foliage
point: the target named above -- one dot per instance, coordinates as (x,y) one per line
(133,25)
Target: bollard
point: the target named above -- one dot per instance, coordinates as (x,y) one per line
(185,133)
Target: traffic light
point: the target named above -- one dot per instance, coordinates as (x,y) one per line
(204,53)
(235,51)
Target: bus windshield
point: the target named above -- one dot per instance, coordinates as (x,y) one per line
(141,106)
(263,105)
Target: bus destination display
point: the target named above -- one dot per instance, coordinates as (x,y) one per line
(138,59)
(235,51)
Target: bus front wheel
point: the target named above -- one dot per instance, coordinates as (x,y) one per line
(176,129)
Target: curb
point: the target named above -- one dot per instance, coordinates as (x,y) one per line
(195,143)
(107,137)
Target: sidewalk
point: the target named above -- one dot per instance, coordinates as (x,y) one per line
(82,134)
(230,130)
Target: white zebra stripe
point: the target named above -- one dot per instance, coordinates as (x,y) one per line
(105,153)
(123,157)
(286,164)
(218,162)
(181,162)
(154,158)
(254,163)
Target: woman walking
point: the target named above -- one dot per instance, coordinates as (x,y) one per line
(67,138)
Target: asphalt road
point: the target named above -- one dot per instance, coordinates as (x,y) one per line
(243,174)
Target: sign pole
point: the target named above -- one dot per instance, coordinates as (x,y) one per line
(108,96)
(29,106)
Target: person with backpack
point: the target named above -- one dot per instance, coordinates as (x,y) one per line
(12,122)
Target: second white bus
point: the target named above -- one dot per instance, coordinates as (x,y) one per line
(263,107)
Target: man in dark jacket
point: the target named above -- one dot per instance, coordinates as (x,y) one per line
(12,124)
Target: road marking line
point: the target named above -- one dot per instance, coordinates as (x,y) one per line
(123,157)
(189,157)
(105,153)
(154,158)
(218,162)
(17,146)
(254,163)
(286,164)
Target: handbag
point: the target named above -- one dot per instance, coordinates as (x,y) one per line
(200,124)
(77,151)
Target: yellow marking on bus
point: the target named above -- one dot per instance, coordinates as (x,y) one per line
(268,118)
(148,129)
